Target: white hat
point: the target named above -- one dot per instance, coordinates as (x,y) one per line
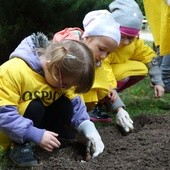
(101,23)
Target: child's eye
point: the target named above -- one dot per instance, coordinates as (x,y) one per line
(101,49)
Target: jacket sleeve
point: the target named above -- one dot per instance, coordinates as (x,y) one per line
(143,53)
(117,103)
(80,112)
(107,67)
(18,128)
(155,72)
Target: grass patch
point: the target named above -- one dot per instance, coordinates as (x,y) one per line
(140,99)
(4,160)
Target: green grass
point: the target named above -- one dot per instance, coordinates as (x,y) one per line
(139,99)
(5,162)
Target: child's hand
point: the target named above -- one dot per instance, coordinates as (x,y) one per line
(49,141)
(88,135)
(159,90)
(112,95)
(123,119)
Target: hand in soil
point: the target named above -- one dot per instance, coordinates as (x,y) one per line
(88,157)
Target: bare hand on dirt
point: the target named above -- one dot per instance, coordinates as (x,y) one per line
(49,141)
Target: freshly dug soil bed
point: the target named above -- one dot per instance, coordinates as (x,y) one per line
(146,148)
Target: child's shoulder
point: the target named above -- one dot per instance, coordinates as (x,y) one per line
(12,66)
(13,63)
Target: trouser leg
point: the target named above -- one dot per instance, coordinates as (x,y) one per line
(165,69)
(35,111)
(132,80)
(56,117)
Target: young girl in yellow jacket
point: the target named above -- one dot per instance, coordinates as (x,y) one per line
(131,61)
(38,104)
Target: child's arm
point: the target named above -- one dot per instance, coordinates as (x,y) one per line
(85,128)
(122,117)
(90,136)
(156,77)
(18,128)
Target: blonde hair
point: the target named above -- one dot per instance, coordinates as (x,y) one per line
(74,59)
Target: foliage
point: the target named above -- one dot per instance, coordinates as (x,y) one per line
(140,3)
(26,17)
(19,19)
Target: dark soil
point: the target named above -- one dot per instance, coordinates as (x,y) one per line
(146,148)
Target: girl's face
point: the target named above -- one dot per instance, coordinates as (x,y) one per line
(126,40)
(100,46)
(59,80)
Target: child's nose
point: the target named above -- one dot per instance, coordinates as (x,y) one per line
(103,55)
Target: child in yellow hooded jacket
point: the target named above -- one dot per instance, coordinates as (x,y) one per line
(132,60)
(39,103)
